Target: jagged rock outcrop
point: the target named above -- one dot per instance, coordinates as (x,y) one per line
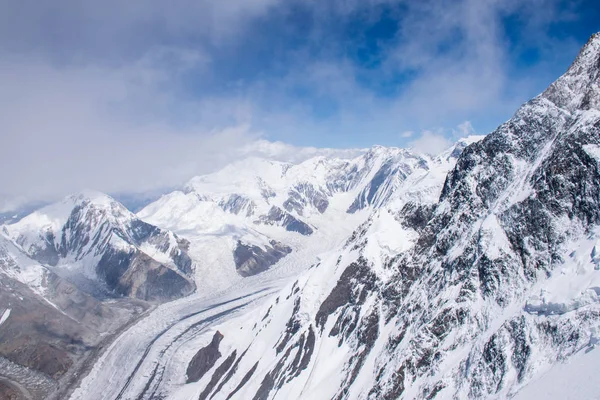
(277,216)
(252,259)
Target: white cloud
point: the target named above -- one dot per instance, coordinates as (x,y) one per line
(430,143)
(106,100)
(64,129)
(464,129)
(114,27)
(109,129)
(285,152)
(437,140)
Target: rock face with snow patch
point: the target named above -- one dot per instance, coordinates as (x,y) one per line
(251,259)
(304,194)
(276,216)
(390,173)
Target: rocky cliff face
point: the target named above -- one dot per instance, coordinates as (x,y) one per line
(251,260)
(470,296)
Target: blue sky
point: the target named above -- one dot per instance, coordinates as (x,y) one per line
(190,83)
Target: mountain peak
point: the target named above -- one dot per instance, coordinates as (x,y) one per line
(589,56)
(93,196)
(578,88)
(595,38)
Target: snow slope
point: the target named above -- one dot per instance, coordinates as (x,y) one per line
(575,379)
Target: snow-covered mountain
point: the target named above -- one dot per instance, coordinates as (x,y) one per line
(236,222)
(253,187)
(71,272)
(90,237)
(253,217)
(471,295)
(266,210)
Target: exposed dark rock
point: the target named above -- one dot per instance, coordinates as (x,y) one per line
(47,252)
(309,348)
(416,216)
(10,392)
(230,374)
(266,386)
(244,380)
(305,194)
(137,275)
(45,340)
(291,328)
(112,266)
(204,359)
(237,204)
(366,336)
(277,216)
(251,260)
(217,375)
(522,349)
(354,283)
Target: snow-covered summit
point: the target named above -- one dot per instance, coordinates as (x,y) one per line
(579,87)
(241,176)
(91,235)
(253,186)
(255,202)
(55,215)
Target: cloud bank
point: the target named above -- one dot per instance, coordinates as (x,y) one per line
(140,95)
